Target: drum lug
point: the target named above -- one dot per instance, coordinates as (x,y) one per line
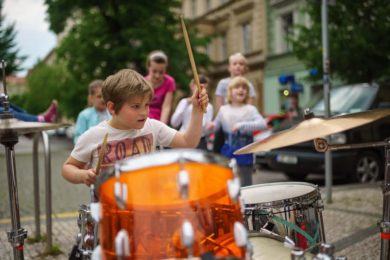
(288,242)
(241,239)
(233,166)
(187,236)
(183,181)
(97,253)
(320,204)
(240,234)
(326,252)
(297,254)
(122,244)
(242,205)
(120,194)
(234,188)
(96,211)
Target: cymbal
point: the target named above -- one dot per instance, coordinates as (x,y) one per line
(21,127)
(314,128)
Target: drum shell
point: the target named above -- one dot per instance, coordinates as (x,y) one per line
(155,211)
(285,215)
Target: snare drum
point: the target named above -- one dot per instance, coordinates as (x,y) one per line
(168,204)
(289,209)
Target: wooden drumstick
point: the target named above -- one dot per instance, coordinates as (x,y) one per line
(101,154)
(191,57)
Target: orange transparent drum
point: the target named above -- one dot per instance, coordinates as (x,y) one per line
(168,204)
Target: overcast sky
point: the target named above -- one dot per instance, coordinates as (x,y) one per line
(33,37)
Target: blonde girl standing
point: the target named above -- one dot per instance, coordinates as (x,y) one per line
(238,120)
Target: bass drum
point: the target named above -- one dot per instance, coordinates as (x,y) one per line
(154,202)
(267,247)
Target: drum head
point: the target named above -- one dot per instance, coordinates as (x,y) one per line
(279,193)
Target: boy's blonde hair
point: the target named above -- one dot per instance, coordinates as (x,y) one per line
(234,83)
(94,85)
(237,56)
(123,85)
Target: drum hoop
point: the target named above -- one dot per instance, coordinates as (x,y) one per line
(161,158)
(166,157)
(305,199)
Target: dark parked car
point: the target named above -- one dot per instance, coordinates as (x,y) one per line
(361,165)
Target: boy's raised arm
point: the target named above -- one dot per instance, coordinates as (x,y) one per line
(190,138)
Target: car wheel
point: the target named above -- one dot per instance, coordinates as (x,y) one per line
(367,168)
(296,176)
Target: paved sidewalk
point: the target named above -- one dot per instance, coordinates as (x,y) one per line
(350,225)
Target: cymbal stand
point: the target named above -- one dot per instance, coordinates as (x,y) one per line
(17,235)
(322,145)
(385,223)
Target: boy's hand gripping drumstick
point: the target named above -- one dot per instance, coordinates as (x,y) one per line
(191,57)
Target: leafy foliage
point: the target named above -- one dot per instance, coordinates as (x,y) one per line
(8,49)
(107,36)
(49,82)
(359,46)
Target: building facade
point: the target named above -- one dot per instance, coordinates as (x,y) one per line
(234,26)
(259,29)
(284,75)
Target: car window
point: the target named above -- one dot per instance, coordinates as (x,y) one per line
(348,99)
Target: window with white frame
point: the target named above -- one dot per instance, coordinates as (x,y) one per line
(286,31)
(223,47)
(246,37)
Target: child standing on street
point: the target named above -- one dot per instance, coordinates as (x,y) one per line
(130,132)
(237,67)
(163,84)
(238,120)
(182,114)
(94,114)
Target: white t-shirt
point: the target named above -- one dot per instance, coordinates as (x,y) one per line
(245,117)
(121,144)
(183,112)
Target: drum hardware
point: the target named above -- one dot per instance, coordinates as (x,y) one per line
(187,237)
(120,190)
(241,238)
(97,253)
(322,145)
(234,188)
(297,254)
(182,183)
(313,128)
(290,212)
(10,129)
(122,244)
(157,217)
(327,253)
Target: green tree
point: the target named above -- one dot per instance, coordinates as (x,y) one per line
(106,36)
(8,49)
(47,82)
(359,42)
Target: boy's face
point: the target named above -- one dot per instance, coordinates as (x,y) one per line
(237,67)
(156,72)
(97,100)
(132,114)
(239,94)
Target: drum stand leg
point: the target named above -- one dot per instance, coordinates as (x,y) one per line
(17,235)
(385,223)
